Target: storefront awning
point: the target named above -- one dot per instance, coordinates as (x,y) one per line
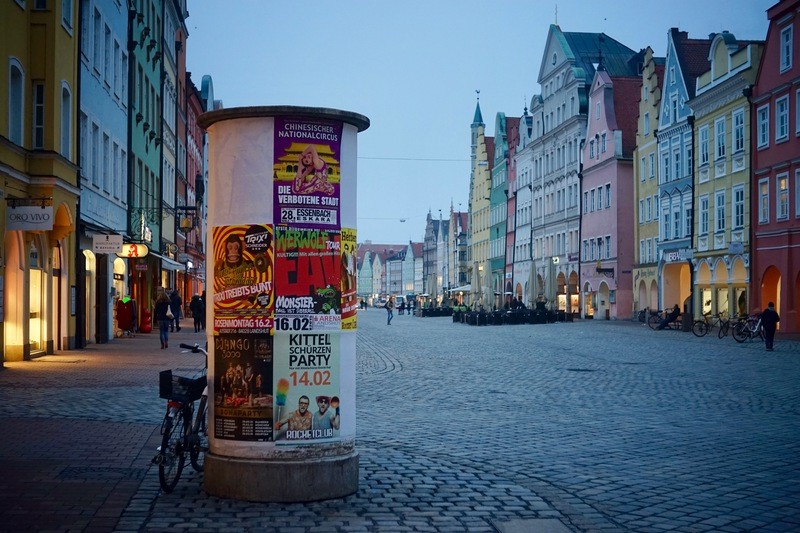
(168,264)
(463,288)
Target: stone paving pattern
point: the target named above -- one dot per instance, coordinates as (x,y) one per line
(599,426)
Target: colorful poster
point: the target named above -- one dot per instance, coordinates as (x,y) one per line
(243,286)
(306,171)
(307,279)
(243,400)
(307,387)
(349,278)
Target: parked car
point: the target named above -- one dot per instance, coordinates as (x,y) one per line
(380,302)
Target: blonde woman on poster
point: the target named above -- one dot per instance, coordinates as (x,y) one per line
(312,173)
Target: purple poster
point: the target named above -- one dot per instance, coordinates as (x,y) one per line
(307,173)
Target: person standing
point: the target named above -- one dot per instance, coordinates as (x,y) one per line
(160,315)
(389,310)
(769,321)
(198,309)
(175,304)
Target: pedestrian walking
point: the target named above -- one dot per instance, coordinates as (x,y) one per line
(175,304)
(769,321)
(161,315)
(389,310)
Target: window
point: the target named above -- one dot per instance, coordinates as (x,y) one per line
(603,143)
(16,96)
(38,115)
(66,121)
(106,163)
(652,165)
(642,257)
(782,197)
(107,61)
(674,108)
(665,167)
(738,130)
(641,212)
(786,48)
(608,195)
(592,203)
(704,215)
(763,126)
(687,219)
(642,170)
(763,201)
(676,164)
(66,14)
(719,138)
(666,228)
(97,54)
(95,155)
(738,206)
(85,34)
(782,119)
(719,211)
(704,145)
(648,213)
(597,111)
(608,246)
(591,149)
(655,207)
(600,248)
(84,141)
(646,120)
(586,250)
(599,199)
(676,222)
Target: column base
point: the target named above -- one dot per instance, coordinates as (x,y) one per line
(281,481)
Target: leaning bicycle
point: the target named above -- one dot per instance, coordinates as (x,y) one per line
(184,429)
(748,329)
(707,324)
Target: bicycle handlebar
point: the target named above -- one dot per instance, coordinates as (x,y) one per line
(195,348)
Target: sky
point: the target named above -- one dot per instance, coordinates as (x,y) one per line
(413,68)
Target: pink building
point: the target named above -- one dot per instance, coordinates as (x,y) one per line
(607,238)
(775,185)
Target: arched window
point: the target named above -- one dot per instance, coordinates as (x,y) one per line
(16,97)
(66,120)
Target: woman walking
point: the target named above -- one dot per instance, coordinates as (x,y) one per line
(160,314)
(389,310)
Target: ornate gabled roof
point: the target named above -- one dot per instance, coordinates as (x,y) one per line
(692,55)
(590,49)
(478,119)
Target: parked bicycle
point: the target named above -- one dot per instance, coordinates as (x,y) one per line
(184,429)
(707,324)
(748,328)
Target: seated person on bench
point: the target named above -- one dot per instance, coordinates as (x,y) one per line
(672,316)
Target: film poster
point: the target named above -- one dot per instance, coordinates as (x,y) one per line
(243,305)
(307,387)
(307,279)
(349,278)
(307,173)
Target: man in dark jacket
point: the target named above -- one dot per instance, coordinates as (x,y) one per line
(175,303)
(769,321)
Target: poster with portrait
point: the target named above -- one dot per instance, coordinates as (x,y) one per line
(307,173)
(307,388)
(349,278)
(307,279)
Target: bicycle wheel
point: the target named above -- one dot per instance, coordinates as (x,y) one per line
(700,328)
(198,440)
(173,449)
(740,332)
(653,321)
(723,328)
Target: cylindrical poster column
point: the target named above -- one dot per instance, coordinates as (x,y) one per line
(281,302)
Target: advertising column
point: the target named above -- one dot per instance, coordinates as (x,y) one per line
(282,272)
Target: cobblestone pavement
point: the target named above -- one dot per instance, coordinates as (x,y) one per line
(584,426)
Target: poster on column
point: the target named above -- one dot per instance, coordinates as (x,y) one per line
(306,173)
(243,307)
(307,387)
(307,279)
(349,278)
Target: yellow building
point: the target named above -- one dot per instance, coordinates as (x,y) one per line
(722,177)
(645,183)
(479,213)
(38,192)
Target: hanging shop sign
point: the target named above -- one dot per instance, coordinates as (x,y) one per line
(29,214)
(107,244)
(133,249)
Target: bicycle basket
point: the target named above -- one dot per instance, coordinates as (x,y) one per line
(180,388)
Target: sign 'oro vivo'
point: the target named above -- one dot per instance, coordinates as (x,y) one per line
(133,250)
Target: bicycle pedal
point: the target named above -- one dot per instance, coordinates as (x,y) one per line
(158,459)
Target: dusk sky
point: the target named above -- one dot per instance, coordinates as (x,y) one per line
(413,69)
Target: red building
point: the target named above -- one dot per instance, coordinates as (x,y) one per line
(775,185)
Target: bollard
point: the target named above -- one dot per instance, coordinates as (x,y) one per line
(281,278)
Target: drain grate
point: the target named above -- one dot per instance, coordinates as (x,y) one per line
(101,473)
